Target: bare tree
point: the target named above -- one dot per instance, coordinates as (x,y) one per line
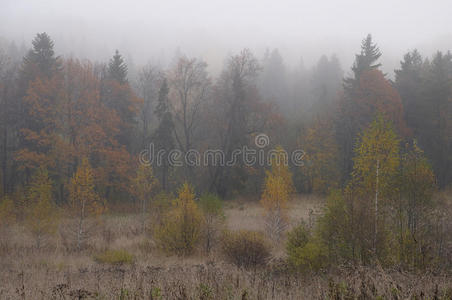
(148,83)
(189,88)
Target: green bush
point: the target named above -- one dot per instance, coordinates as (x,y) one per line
(297,238)
(115,257)
(312,256)
(304,251)
(335,229)
(245,248)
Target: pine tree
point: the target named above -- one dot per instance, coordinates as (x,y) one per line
(365,61)
(409,81)
(435,134)
(41,59)
(40,99)
(117,69)
(366,94)
(163,136)
(118,95)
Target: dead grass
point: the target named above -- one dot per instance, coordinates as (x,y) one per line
(242,215)
(56,272)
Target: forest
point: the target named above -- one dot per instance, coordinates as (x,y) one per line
(85,212)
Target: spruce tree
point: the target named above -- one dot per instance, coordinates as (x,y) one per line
(118,95)
(117,69)
(41,59)
(163,136)
(350,121)
(365,61)
(409,81)
(435,133)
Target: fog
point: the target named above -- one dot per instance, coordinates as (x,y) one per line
(153,31)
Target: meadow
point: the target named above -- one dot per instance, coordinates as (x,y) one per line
(122,262)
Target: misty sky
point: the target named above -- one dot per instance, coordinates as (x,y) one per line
(211,29)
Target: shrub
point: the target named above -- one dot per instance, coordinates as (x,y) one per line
(180,230)
(335,229)
(245,248)
(41,213)
(115,257)
(304,251)
(312,256)
(297,238)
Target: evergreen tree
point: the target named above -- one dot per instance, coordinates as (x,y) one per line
(41,59)
(118,95)
(117,69)
(435,134)
(409,82)
(326,82)
(364,61)
(163,136)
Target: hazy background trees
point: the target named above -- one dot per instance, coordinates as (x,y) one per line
(380,148)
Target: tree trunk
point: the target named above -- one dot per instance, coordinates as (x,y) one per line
(80,226)
(376,208)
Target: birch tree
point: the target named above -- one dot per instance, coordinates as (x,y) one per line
(376,162)
(84,200)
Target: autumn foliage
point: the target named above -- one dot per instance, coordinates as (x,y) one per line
(180,231)
(277,191)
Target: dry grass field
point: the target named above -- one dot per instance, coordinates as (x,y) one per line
(135,269)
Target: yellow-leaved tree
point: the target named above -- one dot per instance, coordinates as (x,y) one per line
(144,186)
(84,200)
(278,189)
(41,212)
(181,229)
(375,165)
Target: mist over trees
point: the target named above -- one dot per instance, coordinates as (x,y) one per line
(50,102)
(72,133)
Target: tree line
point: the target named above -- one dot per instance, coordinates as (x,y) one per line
(71,132)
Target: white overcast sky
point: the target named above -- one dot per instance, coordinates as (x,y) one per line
(211,29)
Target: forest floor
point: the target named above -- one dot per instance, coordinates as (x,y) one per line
(56,271)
